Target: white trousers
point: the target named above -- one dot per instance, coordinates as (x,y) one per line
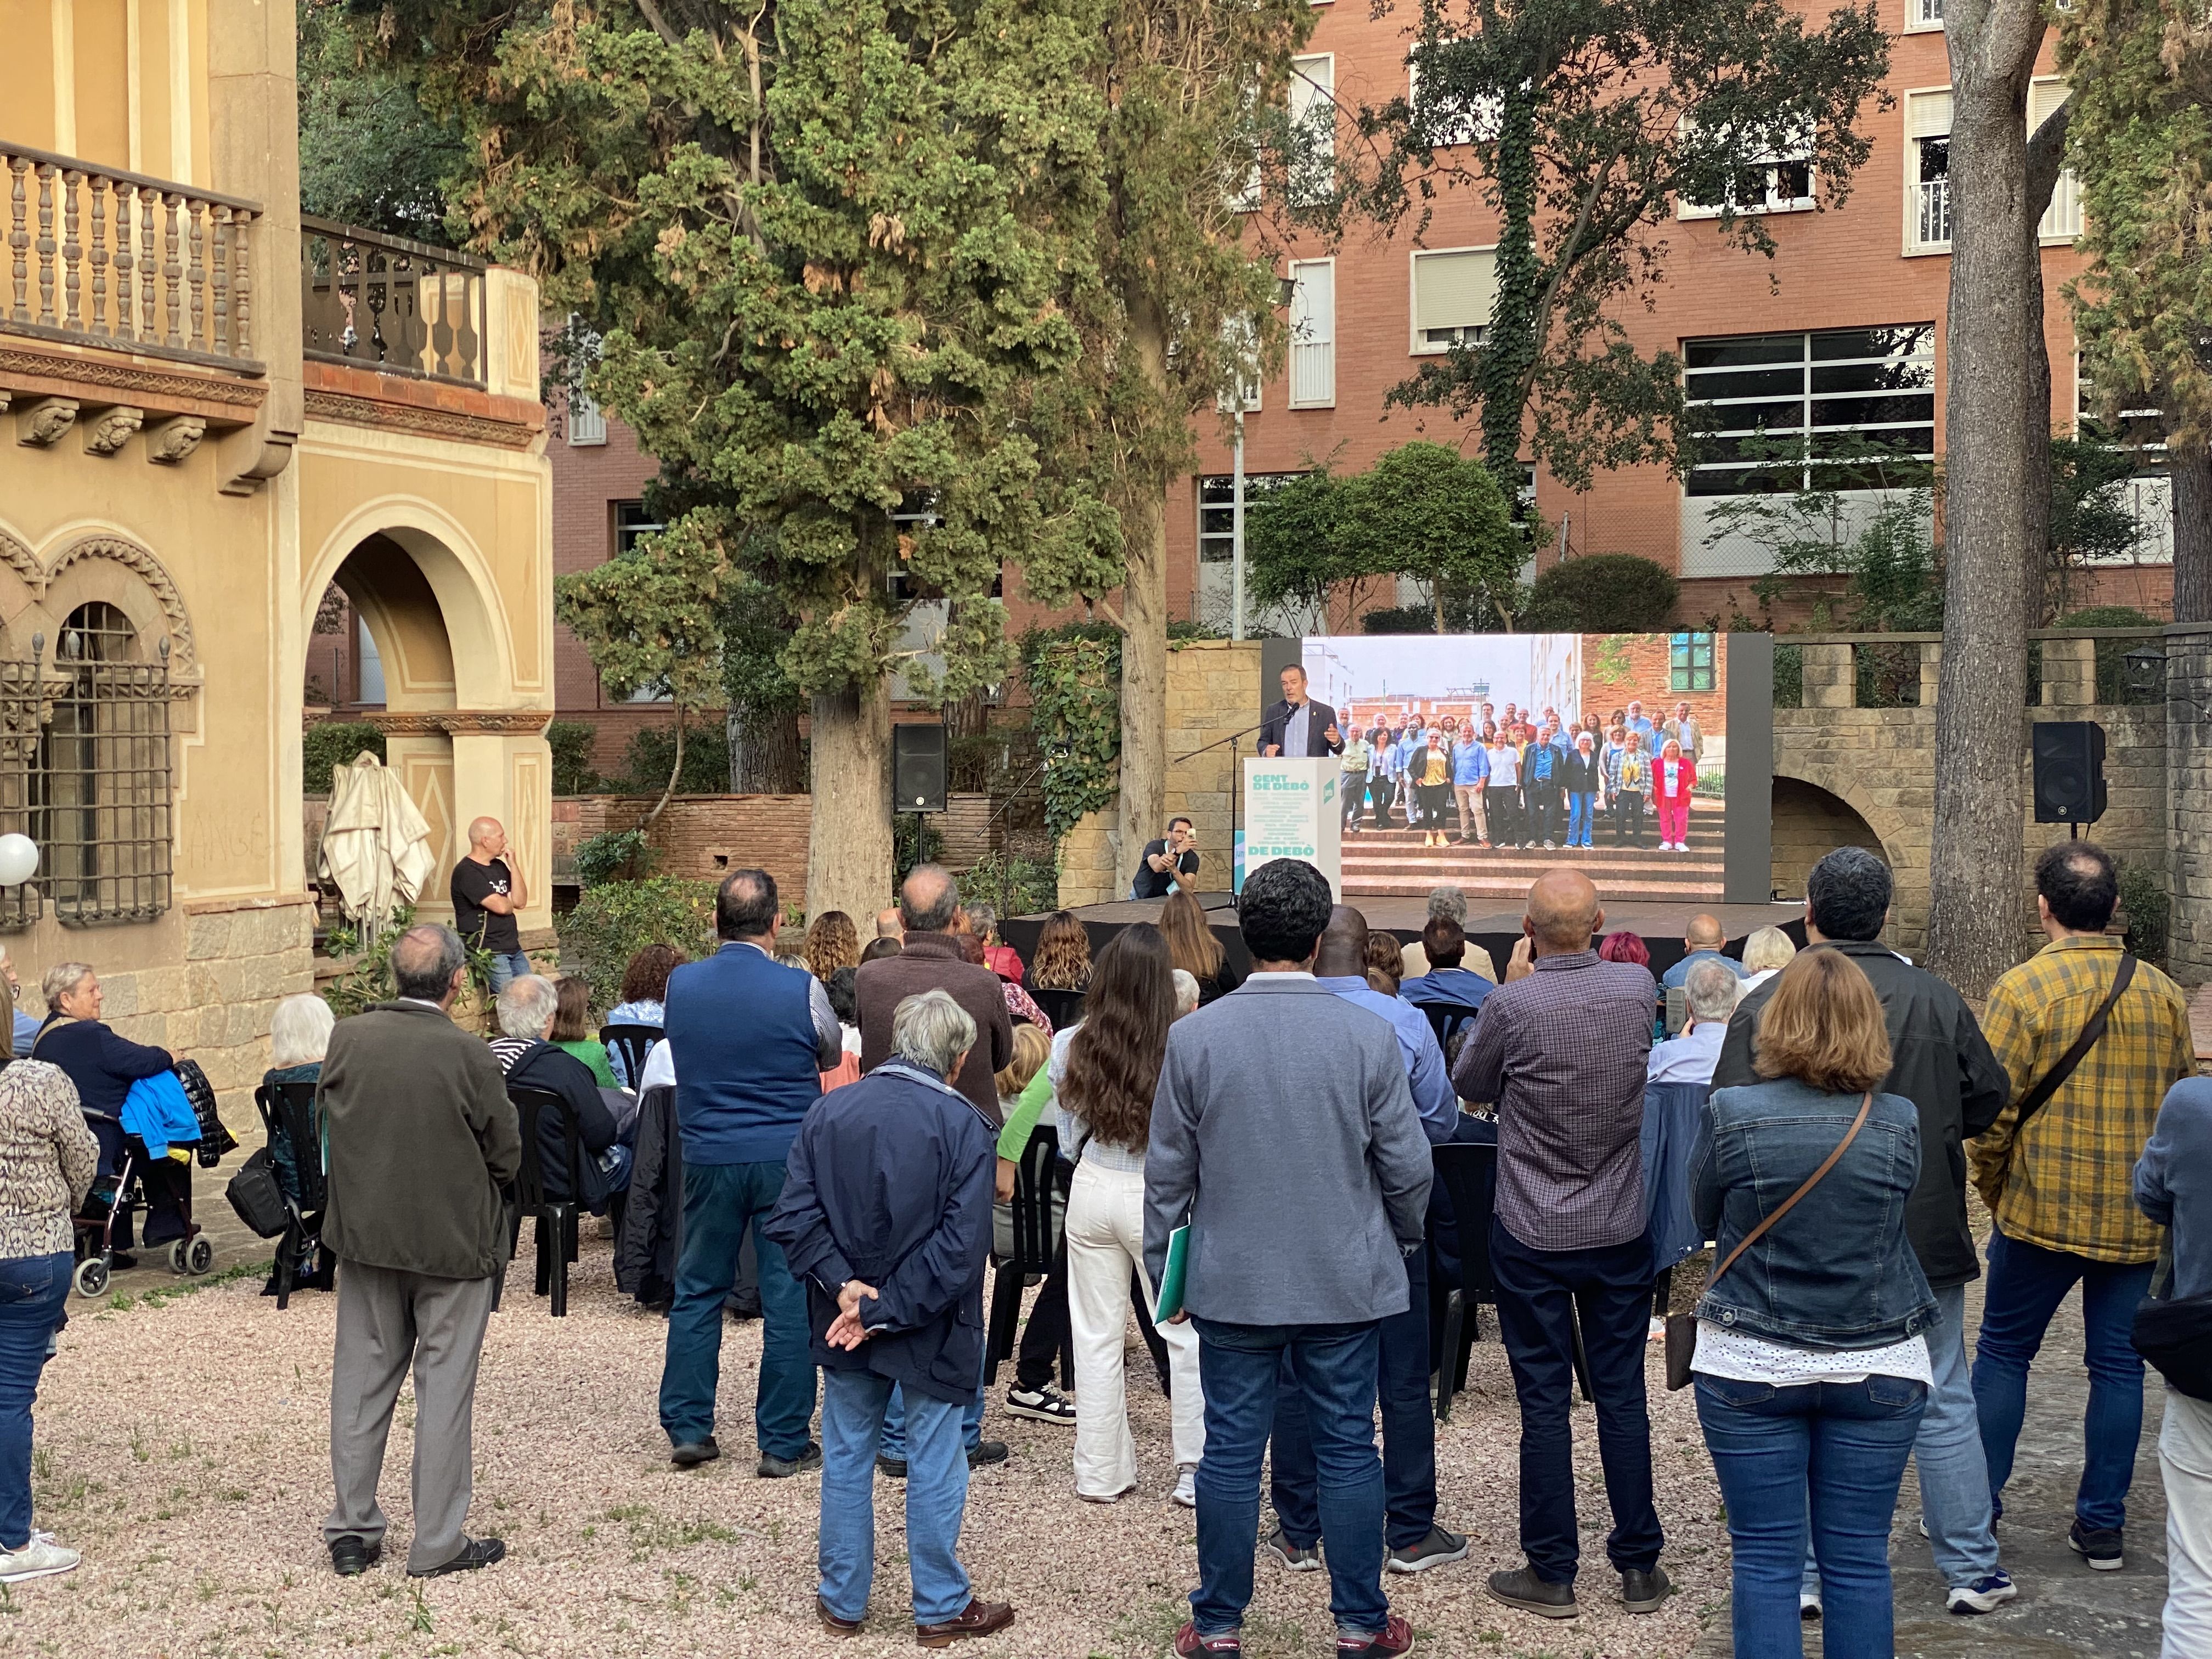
(1105,1240)
(2185,1458)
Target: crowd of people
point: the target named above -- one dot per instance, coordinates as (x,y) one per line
(859,1133)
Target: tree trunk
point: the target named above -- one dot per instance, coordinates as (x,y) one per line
(849,851)
(766,757)
(2192,532)
(1144,621)
(1974,914)
(675,772)
(2047,585)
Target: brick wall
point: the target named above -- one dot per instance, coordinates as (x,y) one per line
(1618,668)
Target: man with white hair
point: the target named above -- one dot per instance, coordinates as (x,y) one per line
(885,1218)
(1709,989)
(526,1007)
(27,1026)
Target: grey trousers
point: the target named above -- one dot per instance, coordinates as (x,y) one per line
(386,1320)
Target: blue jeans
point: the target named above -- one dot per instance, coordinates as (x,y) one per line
(1846,1445)
(1581,813)
(852,1404)
(1954,1478)
(893,1444)
(1409,1429)
(1239,1366)
(2027,1284)
(32,1290)
(507,967)
(1538,1293)
(721,1200)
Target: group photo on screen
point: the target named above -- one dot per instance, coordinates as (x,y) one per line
(1484,758)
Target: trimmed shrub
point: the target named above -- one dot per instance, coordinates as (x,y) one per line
(330,743)
(1602,593)
(571,743)
(613,922)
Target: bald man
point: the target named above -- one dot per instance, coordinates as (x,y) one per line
(1701,942)
(1562,1050)
(888,924)
(488,896)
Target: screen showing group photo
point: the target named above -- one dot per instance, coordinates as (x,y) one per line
(1483,759)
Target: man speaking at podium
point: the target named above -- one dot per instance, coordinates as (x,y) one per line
(1298,726)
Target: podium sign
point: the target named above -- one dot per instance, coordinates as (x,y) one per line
(1294,809)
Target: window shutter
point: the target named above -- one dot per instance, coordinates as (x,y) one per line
(1312,81)
(588,421)
(1928,114)
(1313,334)
(1454,290)
(2044,97)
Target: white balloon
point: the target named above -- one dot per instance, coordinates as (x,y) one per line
(19,859)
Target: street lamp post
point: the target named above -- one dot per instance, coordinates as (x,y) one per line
(1236,524)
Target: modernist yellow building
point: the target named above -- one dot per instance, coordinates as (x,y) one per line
(208,413)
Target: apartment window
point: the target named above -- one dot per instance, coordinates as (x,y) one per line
(1928,171)
(106,785)
(1454,290)
(588,421)
(1775,180)
(1217,510)
(369,662)
(1921,15)
(632,522)
(1313,127)
(1313,334)
(1446,120)
(1838,409)
(2061,220)
(1690,662)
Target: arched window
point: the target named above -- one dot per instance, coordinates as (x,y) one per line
(103,785)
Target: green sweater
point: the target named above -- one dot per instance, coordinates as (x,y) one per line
(1015,1137)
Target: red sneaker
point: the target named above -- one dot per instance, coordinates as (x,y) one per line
(1396,1637)
(1189,1643)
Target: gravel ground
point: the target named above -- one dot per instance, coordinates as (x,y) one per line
(181,1446)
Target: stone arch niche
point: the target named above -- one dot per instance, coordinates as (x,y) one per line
(1809,822)
(460,750)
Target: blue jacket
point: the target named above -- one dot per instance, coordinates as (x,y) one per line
(740,1027)
(890,1181)
(1756,1145)
(1544,762)
(2173,1181)
(157,1112)
(1417,1040)
(1678,976)
(1462,986)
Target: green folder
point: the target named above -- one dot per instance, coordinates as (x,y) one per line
(1171,1275)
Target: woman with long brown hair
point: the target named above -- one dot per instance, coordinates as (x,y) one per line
(1193,948)
(1061,960)
(1105,1094)
(832,942)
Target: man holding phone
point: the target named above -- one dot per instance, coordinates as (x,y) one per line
(1167,863)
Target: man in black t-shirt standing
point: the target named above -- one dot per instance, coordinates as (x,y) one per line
(488,896)
(1174,858)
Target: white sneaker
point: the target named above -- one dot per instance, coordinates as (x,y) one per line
(41,1558)
(1186,1490)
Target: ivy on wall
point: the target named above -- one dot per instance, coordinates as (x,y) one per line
(1074,679)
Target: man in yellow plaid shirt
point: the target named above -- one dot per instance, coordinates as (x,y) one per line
(2061,1188)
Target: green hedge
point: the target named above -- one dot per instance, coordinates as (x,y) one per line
(614,921)
(571,743)
(331,743)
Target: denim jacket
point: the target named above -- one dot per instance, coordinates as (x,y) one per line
(1838,1270)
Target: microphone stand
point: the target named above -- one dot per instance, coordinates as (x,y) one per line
(1236,784)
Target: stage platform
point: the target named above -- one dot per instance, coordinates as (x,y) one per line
(1492,925)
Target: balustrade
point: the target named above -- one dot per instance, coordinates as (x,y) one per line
(388,303)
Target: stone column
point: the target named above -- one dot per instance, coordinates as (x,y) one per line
(2188,792)
(2069,673)
(503,769)
(1931,671)
(1831,677)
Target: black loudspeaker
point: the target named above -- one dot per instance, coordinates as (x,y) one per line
(917,768)
(2069,771)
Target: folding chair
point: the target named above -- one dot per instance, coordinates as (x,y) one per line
(557,1217)
(1445,1019)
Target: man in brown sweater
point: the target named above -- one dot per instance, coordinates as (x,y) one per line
(422,1137)
(929,909)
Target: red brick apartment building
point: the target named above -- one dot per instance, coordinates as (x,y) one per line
(1849,291)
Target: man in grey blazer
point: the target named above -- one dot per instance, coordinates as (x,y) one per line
(1285,1133)
(422,1137)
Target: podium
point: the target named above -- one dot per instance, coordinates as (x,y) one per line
(1293,809)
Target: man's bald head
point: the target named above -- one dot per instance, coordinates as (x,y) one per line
(1703,933)
(427,960)
(887,923)
(929,900)
(1563,912)
(486,832)
(1343,953)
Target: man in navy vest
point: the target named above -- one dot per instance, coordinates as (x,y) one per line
(750,1038)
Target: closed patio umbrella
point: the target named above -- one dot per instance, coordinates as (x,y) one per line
(376,846)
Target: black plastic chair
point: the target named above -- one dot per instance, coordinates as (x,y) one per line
(1062,1008)
(1445,1019)
(289,1109)
(1037,1196)
(633,1043)
(557,1217)
(1468,1171)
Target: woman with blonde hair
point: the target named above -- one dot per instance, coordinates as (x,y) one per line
(1062,959)
(832,942)
(1811,1368)
(1193,948)
(1766,953)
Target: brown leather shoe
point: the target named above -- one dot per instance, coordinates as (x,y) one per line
(832,1623)
(980,1619)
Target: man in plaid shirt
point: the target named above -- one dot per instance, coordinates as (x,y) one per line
(2061,1189)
